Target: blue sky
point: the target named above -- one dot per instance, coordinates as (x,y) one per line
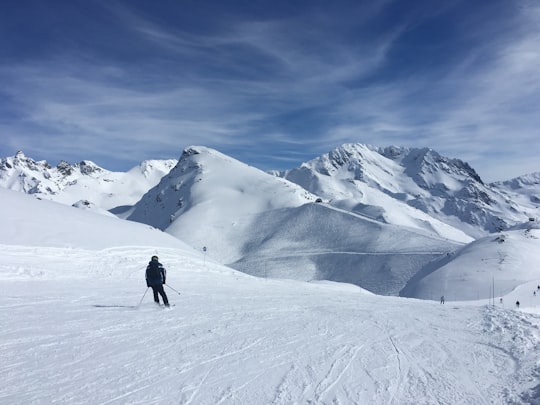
(271,83)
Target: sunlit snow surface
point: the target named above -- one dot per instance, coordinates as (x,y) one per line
(73,332)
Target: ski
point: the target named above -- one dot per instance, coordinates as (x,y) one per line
(114,306)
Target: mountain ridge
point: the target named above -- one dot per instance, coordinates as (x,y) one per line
(265,225)
(322,220)
(447,189)
(69,183)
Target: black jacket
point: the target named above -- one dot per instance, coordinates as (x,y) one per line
(155,273)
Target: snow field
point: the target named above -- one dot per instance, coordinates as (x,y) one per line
(235,339)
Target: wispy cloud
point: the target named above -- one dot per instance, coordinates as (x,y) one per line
(101,104)
(286,86)
(99,118)
(493,119)
(482,110)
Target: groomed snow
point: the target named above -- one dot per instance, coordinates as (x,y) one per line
(73,333)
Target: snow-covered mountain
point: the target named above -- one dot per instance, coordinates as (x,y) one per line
(415,188)
(267,226)
(333,218)
(378,181)
(79,325)
(505,264)
(29,221)
(523,191)
(85,181)
(210,199)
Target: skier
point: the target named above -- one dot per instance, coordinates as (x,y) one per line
(155,278)
(517,304)
(442,299)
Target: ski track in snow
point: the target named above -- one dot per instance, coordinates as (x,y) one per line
(234,339)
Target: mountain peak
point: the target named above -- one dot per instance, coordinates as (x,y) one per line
(190,151)
(206,188)
(68,183)
(64,168)
(88,167)
(444,188)
(193,150)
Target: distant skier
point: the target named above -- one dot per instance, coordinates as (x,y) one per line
(517,304)
(442,299)
(501,300)
(155,278)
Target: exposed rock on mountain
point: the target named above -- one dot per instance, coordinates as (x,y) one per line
(370,216)
(355,175)
(68,183)
(270,227)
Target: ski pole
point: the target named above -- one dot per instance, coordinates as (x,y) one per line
(145,291)
(172,289)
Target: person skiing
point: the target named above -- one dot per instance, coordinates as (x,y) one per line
(517,304)
(155,278)
(442,299)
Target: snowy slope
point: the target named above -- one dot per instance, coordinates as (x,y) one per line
(267,226)
(73,330)
(525,191)
(320,242)
(27,221)
(367,232)
(210,199)
(499,262)
(69,183)
(402,186)
(449,190)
